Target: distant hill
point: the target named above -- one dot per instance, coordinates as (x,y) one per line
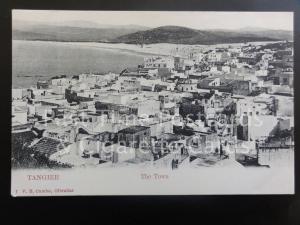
(70,31)
(86,31)
(278,34)
(183,35)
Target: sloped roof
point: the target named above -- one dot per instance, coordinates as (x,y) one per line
(133,129)
(48,145)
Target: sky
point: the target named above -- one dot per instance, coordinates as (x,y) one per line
(195,19)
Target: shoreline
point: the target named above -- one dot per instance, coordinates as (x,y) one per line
(162,49)
(123,48)
(158,49)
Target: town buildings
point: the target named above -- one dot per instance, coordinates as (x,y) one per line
(222,98)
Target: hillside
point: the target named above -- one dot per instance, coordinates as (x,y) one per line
(133,34)
(183,35)
(71,31)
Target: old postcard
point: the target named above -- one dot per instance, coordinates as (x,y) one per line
(152,103)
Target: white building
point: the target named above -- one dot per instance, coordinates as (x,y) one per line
(198,57)
(159,62)
(226,69)
(60,82)
(19,115)
(17,93)
(252,107)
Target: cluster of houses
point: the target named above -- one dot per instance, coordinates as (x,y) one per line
(170,109)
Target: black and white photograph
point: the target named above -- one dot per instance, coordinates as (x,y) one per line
(152,103)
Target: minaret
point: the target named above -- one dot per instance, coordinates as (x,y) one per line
(142,41)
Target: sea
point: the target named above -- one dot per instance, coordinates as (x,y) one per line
(41,60)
